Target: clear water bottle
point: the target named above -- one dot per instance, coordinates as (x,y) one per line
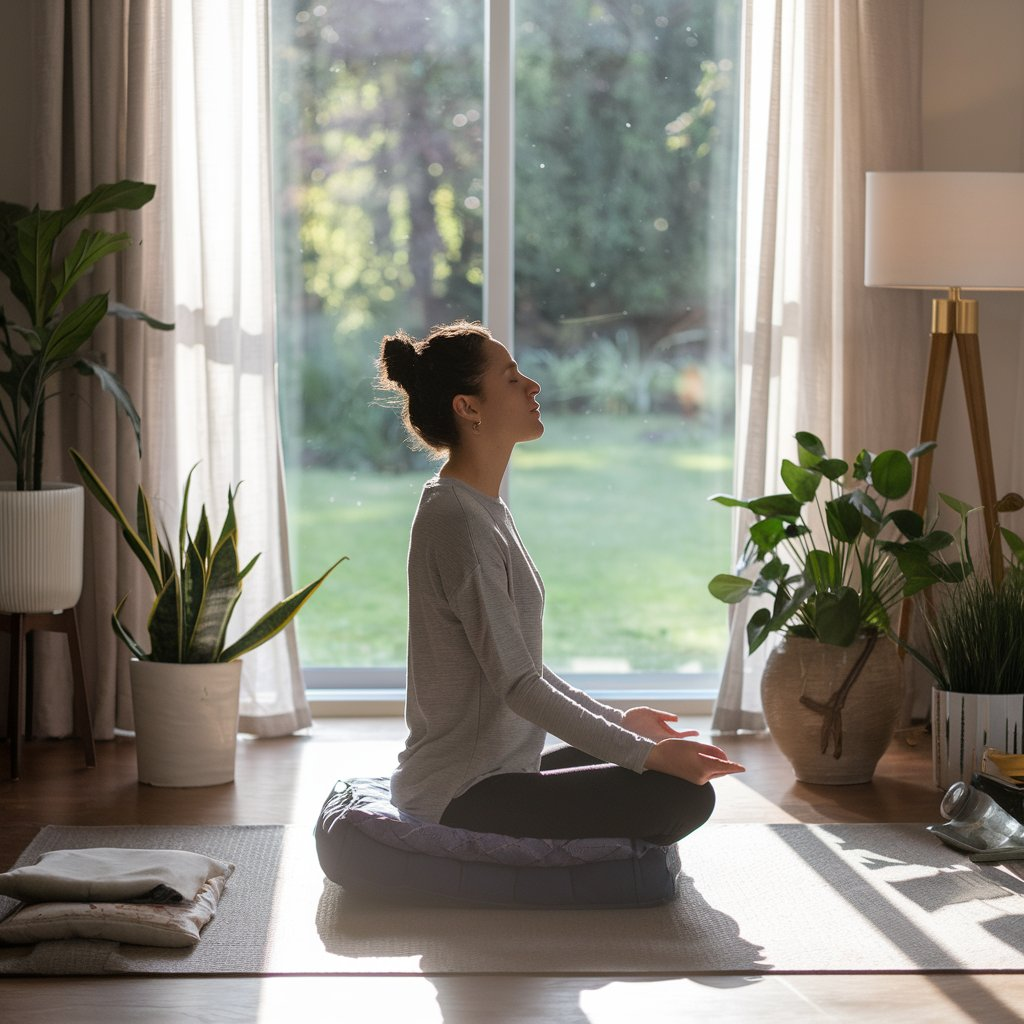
(979,819)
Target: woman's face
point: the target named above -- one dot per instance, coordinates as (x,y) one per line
(508,399)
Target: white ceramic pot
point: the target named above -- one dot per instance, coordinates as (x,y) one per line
(806,668)
(41,542)
(186,722)
(964,724)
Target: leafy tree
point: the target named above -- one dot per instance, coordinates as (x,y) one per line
(623,138)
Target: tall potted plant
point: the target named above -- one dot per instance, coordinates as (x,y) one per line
(836,560)
(41,524)
(185,688)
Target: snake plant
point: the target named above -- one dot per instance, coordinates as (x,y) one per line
(195,592)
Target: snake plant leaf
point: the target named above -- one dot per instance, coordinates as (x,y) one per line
(107,500)
(75,329)
(252,561)
(276,619)
(193,588)
(202,539)
(220,595)
(183,519)
(165,624)
(730,589)
(230,527)
(111,383)
(892,474)
(145,522)
(123,633)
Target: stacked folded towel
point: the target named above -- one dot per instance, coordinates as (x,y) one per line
(145,897)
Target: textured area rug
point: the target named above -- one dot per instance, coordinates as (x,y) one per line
(753,899)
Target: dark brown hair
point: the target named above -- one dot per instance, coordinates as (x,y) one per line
(428,374)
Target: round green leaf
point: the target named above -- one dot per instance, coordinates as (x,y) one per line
(908,522)
(891,473)
(837,617)
(844,520)
(730,589)
(802,483)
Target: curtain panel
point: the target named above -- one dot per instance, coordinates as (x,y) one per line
(831,90)
(176,94)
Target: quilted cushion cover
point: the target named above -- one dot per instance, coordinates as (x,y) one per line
(367,846)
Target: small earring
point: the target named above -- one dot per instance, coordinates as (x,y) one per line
(476,427)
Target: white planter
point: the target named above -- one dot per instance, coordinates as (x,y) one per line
(964,724)
(41,541)
(186,722)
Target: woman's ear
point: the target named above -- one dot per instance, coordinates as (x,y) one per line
(465,408)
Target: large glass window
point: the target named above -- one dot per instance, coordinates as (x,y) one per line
(622,254)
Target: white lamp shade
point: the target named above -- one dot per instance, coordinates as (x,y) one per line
(944,229)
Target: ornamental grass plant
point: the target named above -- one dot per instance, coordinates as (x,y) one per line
(976,637)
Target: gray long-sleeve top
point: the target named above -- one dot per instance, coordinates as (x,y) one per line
(479,698)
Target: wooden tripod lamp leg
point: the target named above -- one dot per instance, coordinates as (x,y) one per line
(935,387)
(974,390)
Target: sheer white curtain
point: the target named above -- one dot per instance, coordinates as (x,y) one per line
(175,92)
(831,90)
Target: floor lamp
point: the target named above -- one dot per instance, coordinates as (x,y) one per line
(949,231)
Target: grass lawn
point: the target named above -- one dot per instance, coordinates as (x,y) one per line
(614,511)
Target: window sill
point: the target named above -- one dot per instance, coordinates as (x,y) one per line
(380,702)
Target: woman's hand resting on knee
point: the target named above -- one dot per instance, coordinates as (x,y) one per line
(674,753)
(686,759)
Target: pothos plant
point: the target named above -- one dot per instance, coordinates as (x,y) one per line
(832,553)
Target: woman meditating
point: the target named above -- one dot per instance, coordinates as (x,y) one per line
(480,699)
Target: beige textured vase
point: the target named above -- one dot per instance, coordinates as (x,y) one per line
(41,541)
(186,722)
(814,671)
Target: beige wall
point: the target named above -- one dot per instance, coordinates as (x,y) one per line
(974,120)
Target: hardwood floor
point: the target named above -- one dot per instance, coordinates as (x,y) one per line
(284,781)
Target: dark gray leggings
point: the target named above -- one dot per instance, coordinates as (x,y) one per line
(576,796)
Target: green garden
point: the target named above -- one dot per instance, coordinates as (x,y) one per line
(614,510)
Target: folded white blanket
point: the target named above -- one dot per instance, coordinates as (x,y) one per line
(112,874)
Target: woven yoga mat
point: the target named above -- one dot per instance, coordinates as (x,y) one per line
(753,899)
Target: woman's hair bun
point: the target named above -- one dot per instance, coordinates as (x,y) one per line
(398,356)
